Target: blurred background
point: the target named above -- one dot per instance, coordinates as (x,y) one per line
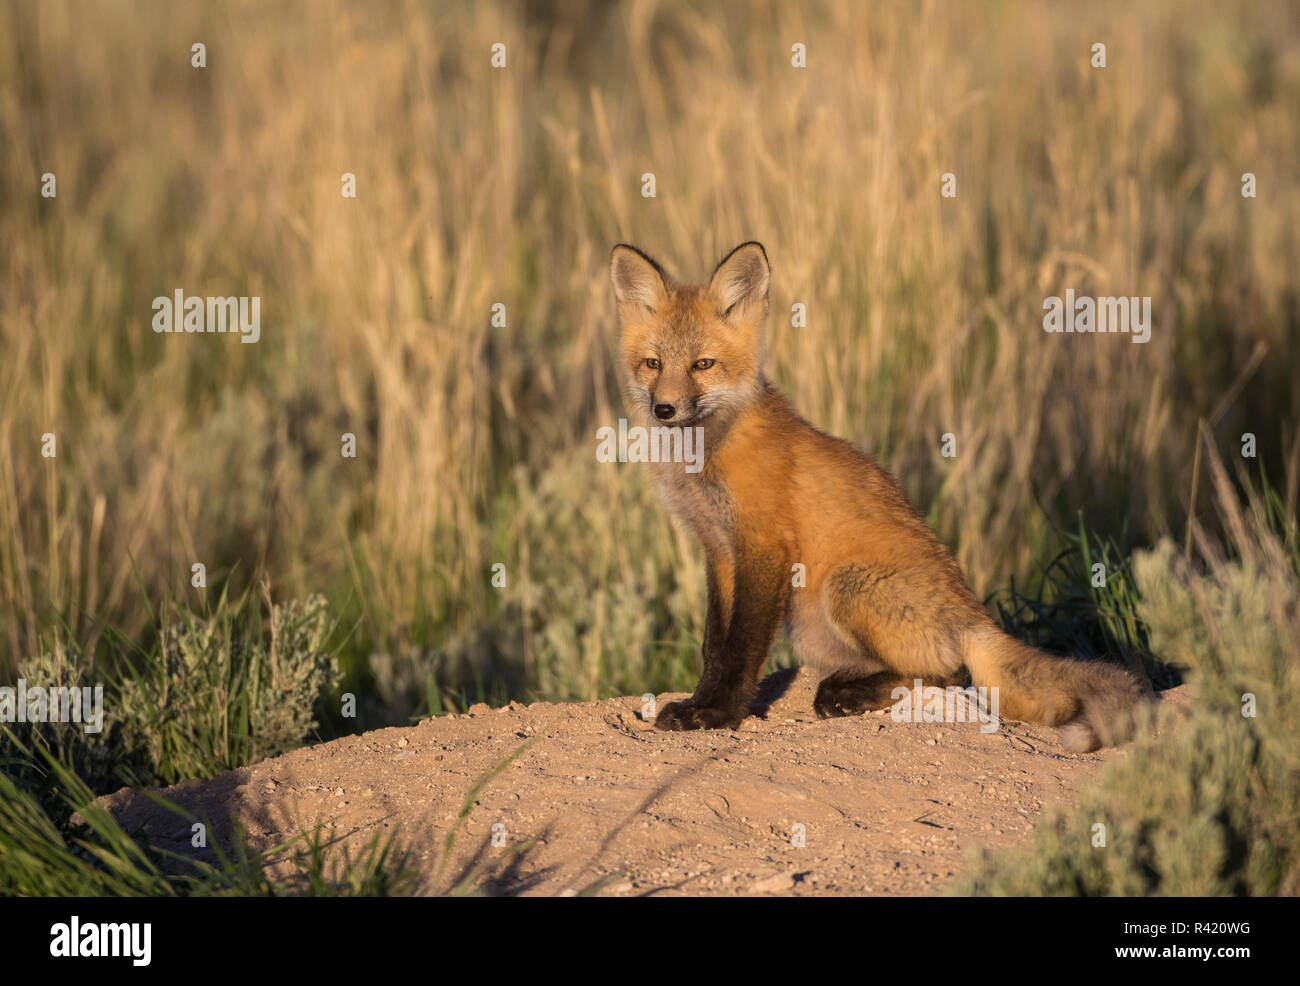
(479,185)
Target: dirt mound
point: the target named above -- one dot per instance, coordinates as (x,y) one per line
(600,799)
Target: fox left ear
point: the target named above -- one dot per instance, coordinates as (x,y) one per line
(739,284)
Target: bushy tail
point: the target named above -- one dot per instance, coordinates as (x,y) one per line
(1094,703)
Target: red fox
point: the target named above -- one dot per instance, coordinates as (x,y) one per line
(883,601)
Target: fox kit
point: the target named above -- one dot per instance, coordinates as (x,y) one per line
(884,602)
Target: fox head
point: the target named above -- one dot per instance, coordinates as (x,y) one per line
(691,353)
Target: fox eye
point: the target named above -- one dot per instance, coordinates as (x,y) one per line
(704,364)
(652,363)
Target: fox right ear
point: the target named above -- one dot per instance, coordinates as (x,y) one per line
(639,282)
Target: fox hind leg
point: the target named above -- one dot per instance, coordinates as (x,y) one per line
(850,693)
(855,679)
(869,620)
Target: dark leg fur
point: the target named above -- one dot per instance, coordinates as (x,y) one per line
(850,693)
(737,638)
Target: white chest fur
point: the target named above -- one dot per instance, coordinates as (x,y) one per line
(699,501)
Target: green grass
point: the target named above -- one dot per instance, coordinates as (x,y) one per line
(88,854)
(1080,610)
(1207,805)
(211,692)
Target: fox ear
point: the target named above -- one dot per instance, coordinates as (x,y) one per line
(639,282)
(739,284)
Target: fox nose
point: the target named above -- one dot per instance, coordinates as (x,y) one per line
(664,411)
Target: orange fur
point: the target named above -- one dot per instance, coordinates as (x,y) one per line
(884,600)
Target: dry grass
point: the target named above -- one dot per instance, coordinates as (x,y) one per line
(479,186)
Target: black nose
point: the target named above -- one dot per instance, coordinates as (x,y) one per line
(664,411)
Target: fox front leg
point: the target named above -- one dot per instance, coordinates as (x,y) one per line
(722,587)
(737,637)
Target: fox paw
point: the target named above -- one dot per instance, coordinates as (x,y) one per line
(688,715)
(843,695)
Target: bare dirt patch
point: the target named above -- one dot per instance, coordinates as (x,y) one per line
(602,799)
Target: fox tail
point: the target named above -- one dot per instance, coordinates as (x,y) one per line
(1094,703)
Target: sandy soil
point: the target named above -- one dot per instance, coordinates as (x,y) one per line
(600,800)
